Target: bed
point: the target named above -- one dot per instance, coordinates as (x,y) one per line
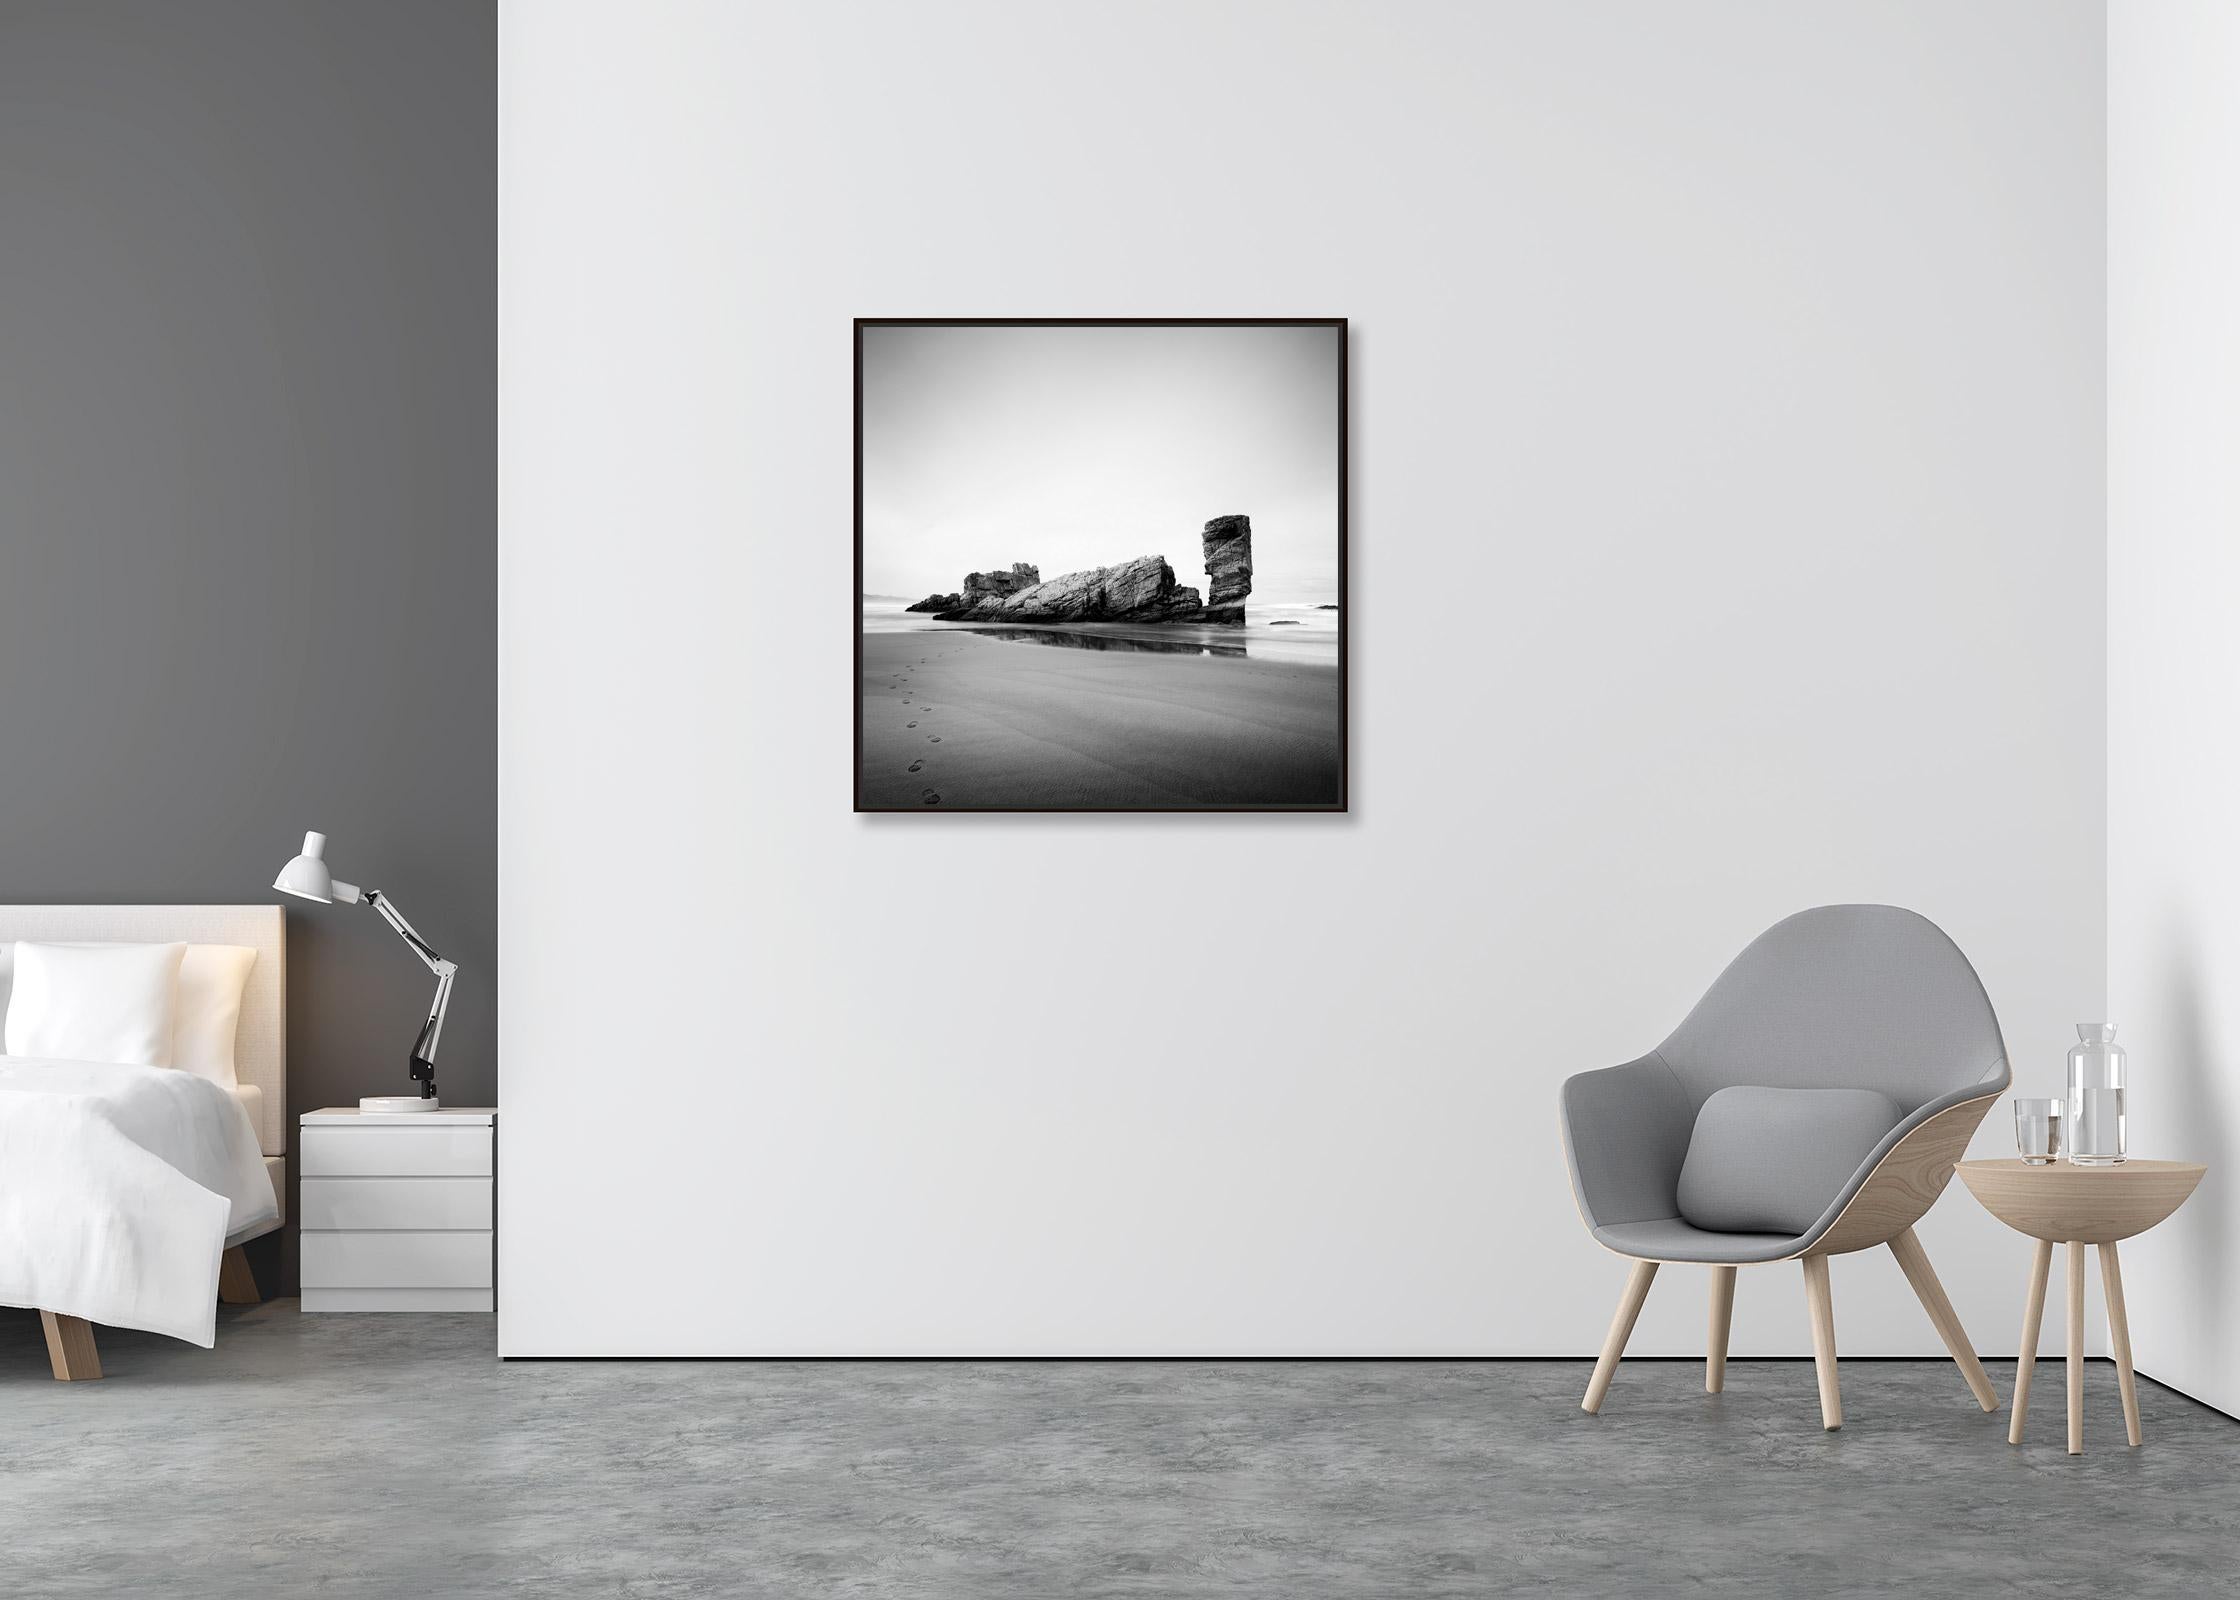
(157,1177)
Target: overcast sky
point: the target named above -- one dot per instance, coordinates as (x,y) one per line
(1084,447)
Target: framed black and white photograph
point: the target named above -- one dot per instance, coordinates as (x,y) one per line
(1101,565)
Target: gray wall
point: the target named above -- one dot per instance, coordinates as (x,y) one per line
(248,339)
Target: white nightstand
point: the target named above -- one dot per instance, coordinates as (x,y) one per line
(399,1213)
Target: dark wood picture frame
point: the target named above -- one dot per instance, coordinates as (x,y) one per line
(1343,803)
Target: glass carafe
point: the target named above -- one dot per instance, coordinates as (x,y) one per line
(2096,1088)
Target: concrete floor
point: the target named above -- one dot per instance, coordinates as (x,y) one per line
(396,1456)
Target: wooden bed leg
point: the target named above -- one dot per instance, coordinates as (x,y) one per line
(237,1285)
(70,1347)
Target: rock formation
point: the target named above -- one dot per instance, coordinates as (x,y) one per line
(982,588)
(1228,542)
(984,585)
(1142,590)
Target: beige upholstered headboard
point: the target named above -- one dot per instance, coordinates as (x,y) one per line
(260,1045)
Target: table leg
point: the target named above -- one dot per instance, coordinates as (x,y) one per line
(2033,1317)
(2119,1338)
(2076,1347)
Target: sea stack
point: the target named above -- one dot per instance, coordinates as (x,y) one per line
(1228,542)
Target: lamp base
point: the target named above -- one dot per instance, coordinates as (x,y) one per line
(390,1105)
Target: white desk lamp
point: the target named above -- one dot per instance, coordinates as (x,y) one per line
(307,875)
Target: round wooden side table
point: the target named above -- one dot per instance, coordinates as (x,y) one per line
(2076,1206)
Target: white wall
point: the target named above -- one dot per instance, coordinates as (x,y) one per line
(1728,407)
(2174,658)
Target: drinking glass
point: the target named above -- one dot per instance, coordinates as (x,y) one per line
(2037,1130)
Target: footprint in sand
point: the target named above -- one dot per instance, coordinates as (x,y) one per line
(909,724)
(915,765)
(933,738)
(931,798)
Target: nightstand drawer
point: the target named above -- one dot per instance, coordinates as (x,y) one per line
(373,1152)
(411,1260)
(446,1204)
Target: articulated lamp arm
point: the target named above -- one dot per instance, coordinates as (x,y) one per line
(431,1031)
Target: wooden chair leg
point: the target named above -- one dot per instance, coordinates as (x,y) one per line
(70,1348)
(1621,1329)
(2119,1339)
(2076,1347)
(1931,1293)
(237,1285)
(2033,1318)
(1823,1306)
(1722,1320)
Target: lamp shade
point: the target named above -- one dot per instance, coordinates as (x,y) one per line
(307,875)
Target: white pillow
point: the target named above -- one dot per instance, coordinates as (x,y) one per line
(95,1002)
(211,979)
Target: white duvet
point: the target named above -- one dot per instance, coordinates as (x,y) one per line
(118,1189)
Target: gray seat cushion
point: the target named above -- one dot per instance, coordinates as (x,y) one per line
(1670,1239)
(1771,1161)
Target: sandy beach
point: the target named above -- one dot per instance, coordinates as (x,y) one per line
(960,719)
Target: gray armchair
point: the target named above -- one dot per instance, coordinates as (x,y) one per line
(1857,1053)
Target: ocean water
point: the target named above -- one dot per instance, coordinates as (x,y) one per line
(1305,633)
